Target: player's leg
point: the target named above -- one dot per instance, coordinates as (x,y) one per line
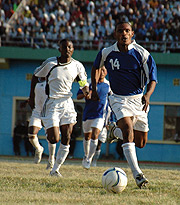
(140,138)
(66,131)
(126,125)
(86,147)
(141,129)
(97,154)
(96,126)
(93,143)
(32,134)
(86,142)
(101,139)
(51,159)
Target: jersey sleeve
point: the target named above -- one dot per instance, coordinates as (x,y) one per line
(152,69)
(45,67)
(99,62)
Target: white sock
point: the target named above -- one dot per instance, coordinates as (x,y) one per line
(61,156)
(52,150)
(34,141)
(130,154)
(96,155)
(118,133)
(93,146)
(86,145)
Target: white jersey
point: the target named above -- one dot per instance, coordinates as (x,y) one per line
(40,95)
(61,76)
(40,98)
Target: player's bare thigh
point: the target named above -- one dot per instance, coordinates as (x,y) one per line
(53,135)
(129,134)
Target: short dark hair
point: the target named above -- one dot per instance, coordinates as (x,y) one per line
(64,40)
(122,22)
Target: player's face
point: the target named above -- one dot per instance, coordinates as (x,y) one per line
(66,48)
(124,34)
(103,73)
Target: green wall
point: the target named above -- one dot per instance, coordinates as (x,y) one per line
(81,55)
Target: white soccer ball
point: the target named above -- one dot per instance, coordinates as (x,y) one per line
(114,180)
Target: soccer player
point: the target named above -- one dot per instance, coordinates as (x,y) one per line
(35,123)
(94,116)
(58,111)
(130,68)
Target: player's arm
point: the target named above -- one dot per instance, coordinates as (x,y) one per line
(94,81)
(146,97)
(31,101)
(152,82)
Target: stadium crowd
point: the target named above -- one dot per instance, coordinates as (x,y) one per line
(90,24)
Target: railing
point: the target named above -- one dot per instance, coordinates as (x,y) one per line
(151,46)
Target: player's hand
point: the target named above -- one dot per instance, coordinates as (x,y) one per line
(145,102)
(88,95)
(94,96)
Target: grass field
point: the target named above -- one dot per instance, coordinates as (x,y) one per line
(23,182)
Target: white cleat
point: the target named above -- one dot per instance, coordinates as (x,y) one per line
(86,163)
(55,174)
(141,180)
(38,155)
(110,136)
(49,165)
(93,164)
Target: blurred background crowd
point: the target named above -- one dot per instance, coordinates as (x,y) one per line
(89,23)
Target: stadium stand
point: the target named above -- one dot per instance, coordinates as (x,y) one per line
(90,24)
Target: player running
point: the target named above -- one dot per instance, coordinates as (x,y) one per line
(130,68)
(94,117)
(58,112)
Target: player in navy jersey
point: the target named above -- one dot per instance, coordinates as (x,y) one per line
(94,116)
(58,111)
(130,68)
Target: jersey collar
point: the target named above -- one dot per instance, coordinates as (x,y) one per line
(130,46)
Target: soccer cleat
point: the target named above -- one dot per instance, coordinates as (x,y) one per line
(55,174)
(86,163)
(110,136)
(94,163)
(38,155)
(141,180)
(49,165)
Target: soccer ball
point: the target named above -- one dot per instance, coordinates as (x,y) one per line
(114,180)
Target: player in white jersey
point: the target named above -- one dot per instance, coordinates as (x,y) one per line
(58,111)
(130,68)
(94,117)
(35,124)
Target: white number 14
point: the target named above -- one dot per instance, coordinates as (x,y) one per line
(115,64)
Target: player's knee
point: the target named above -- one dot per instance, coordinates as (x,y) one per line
(141,144)
(52,140)
(32,136)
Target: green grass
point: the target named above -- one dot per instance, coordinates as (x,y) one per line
(23,182)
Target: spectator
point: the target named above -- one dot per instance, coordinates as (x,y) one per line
(17,137)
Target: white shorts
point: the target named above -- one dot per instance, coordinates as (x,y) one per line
(130,106)
(88,124)
(35,119)
(57,112)
(103,135)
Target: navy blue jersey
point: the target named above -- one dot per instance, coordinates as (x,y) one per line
(97,109)
(128,72)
